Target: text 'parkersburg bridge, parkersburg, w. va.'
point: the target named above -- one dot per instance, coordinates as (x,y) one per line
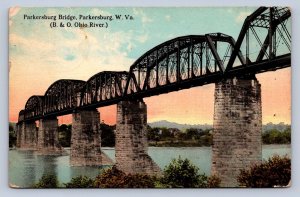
(180,63)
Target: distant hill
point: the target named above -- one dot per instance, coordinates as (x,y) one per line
(167,124)
(280,127)
(164,123)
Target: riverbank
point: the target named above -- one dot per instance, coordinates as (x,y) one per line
(190,143)
(177,143)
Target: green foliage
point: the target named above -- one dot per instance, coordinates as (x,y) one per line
(213,181)
(65,135)
(47,181)
(12,136)
(165,133)
(161,136)
(153,134)
(274,136)
(181,173)
(12,139)
(107,135)
(192,133)
(275,172)
(206,139)
(10,127)
(80,182)
(114,178)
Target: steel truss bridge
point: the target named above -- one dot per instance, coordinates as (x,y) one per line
(263,44)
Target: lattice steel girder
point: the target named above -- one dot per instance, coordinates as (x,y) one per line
(62,94)
(265,19)
(214,52)
(103,86)
(262,13)
(34,106)
(174,52)
(275,23)
(21,115)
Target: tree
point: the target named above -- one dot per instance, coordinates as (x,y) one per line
(114,178)
(206,140)
(12,135)
(182,173)
(275,172)
(47,181)
(192,133)
(80,182)
(107,135)
(12,139)
(153,134)
(165,133)
(274,136)
(10,127)
(182,136)
(287,135)
(65,132)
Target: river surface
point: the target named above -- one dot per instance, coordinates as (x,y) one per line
(26,168)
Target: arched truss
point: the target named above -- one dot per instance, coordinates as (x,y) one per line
(21,115)
(34,106)
(104,86)
(63,94)
(264,44)
(265,36)
(180,59)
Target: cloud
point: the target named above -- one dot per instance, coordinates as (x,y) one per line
(242,16)
(88,47)
(143,38)
(39,57)
(140,13)
(168,18)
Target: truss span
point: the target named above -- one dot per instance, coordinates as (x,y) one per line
(104,86)
(263,44)
(178,60)
(62,95)
(34,106)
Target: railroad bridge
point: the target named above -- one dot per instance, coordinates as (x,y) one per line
(180,63)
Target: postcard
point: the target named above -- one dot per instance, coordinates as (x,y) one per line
(141,97)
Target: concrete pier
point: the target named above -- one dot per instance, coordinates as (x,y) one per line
(86,140)
(48,143)
(26,135)
(237,128)
(131,139)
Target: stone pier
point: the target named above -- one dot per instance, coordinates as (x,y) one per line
(131,139)
(26,135)
(86,140)
(237,128)
(48,143)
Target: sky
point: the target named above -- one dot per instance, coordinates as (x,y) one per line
(40,55)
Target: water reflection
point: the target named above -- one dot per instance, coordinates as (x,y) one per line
(22,168)
(30,167)
(46,165)
(26,168)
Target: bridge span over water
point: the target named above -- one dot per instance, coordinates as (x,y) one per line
(181,63)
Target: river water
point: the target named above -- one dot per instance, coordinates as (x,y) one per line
(26,168)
